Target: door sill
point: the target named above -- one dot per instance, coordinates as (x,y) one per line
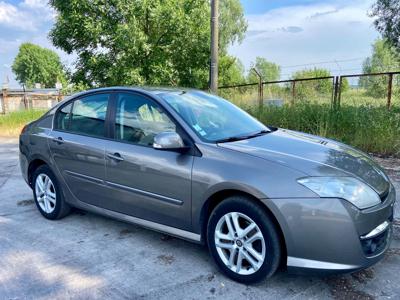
(187,235)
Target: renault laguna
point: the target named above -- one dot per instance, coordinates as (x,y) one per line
(195,166)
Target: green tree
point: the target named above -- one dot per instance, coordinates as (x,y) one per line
(317,87)
(269,71)
(232,24)
(157,42)
(34,64)
(231,71)
(383,59)
(387,21)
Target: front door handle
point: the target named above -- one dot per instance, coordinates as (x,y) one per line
(115,156)
(59,140)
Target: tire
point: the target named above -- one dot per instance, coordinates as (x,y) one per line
(50,203)
(264,251)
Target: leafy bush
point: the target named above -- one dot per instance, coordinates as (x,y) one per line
(383,59)
(305,90)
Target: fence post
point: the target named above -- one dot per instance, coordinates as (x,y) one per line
(389,96)
(260,88)
(340,91)
(24,98)
(333,92)
(3,102)
(293,91)
(336,103)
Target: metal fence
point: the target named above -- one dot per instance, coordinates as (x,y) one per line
(355,89)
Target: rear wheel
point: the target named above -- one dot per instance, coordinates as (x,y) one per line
(243,240)
(47,194)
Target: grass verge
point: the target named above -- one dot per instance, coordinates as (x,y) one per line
(11,124)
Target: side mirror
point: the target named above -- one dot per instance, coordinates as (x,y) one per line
(169,141)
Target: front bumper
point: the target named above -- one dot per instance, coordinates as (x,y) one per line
(329,235)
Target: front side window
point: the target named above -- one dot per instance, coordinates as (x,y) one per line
(138,120)
(62,117)
(89,114)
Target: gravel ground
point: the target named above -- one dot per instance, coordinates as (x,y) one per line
(89,256)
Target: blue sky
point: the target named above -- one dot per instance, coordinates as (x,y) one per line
(296,34)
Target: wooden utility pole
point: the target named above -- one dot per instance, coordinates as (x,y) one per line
(214,47)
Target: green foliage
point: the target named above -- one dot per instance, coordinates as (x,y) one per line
(269,71)
(156,42)
(387,21)
(305,90)
(383,59)
(74,88)
(34,64)
(371,129)
(232,24)
(231,71)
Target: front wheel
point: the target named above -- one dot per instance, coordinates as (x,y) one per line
(243,240)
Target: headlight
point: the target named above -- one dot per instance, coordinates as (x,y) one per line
(348,188)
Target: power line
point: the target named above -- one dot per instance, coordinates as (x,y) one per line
(324,62)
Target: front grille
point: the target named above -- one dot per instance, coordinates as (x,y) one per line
(376,244)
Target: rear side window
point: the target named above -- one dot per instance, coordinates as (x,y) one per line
(89,114)
(62,117)
(84,116)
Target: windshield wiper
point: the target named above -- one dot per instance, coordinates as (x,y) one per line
(243,137)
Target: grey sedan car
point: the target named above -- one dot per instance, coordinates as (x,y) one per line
(195,166)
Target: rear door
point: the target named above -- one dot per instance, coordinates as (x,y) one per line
(78,146)
(150,184)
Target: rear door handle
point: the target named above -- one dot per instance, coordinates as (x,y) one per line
(115,156)
(58,140)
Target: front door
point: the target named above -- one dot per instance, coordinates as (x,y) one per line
(143,182)
(77,146)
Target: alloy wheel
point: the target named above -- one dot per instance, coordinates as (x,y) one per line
(45,193)
(240,243)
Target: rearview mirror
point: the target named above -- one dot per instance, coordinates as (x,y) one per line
(169,141)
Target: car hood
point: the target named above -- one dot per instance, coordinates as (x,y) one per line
(314,156)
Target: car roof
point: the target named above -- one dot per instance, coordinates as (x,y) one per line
(145,89)
(149,90)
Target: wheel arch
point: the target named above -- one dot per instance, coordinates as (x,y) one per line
(35,163)
(219,196)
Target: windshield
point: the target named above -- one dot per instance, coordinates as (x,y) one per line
(212,118)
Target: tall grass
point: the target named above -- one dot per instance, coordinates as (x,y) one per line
(12,123)
(369,128)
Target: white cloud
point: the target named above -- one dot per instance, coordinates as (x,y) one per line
(29,15)
(12,16)
(36,3)
(303,34)
(40,8)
